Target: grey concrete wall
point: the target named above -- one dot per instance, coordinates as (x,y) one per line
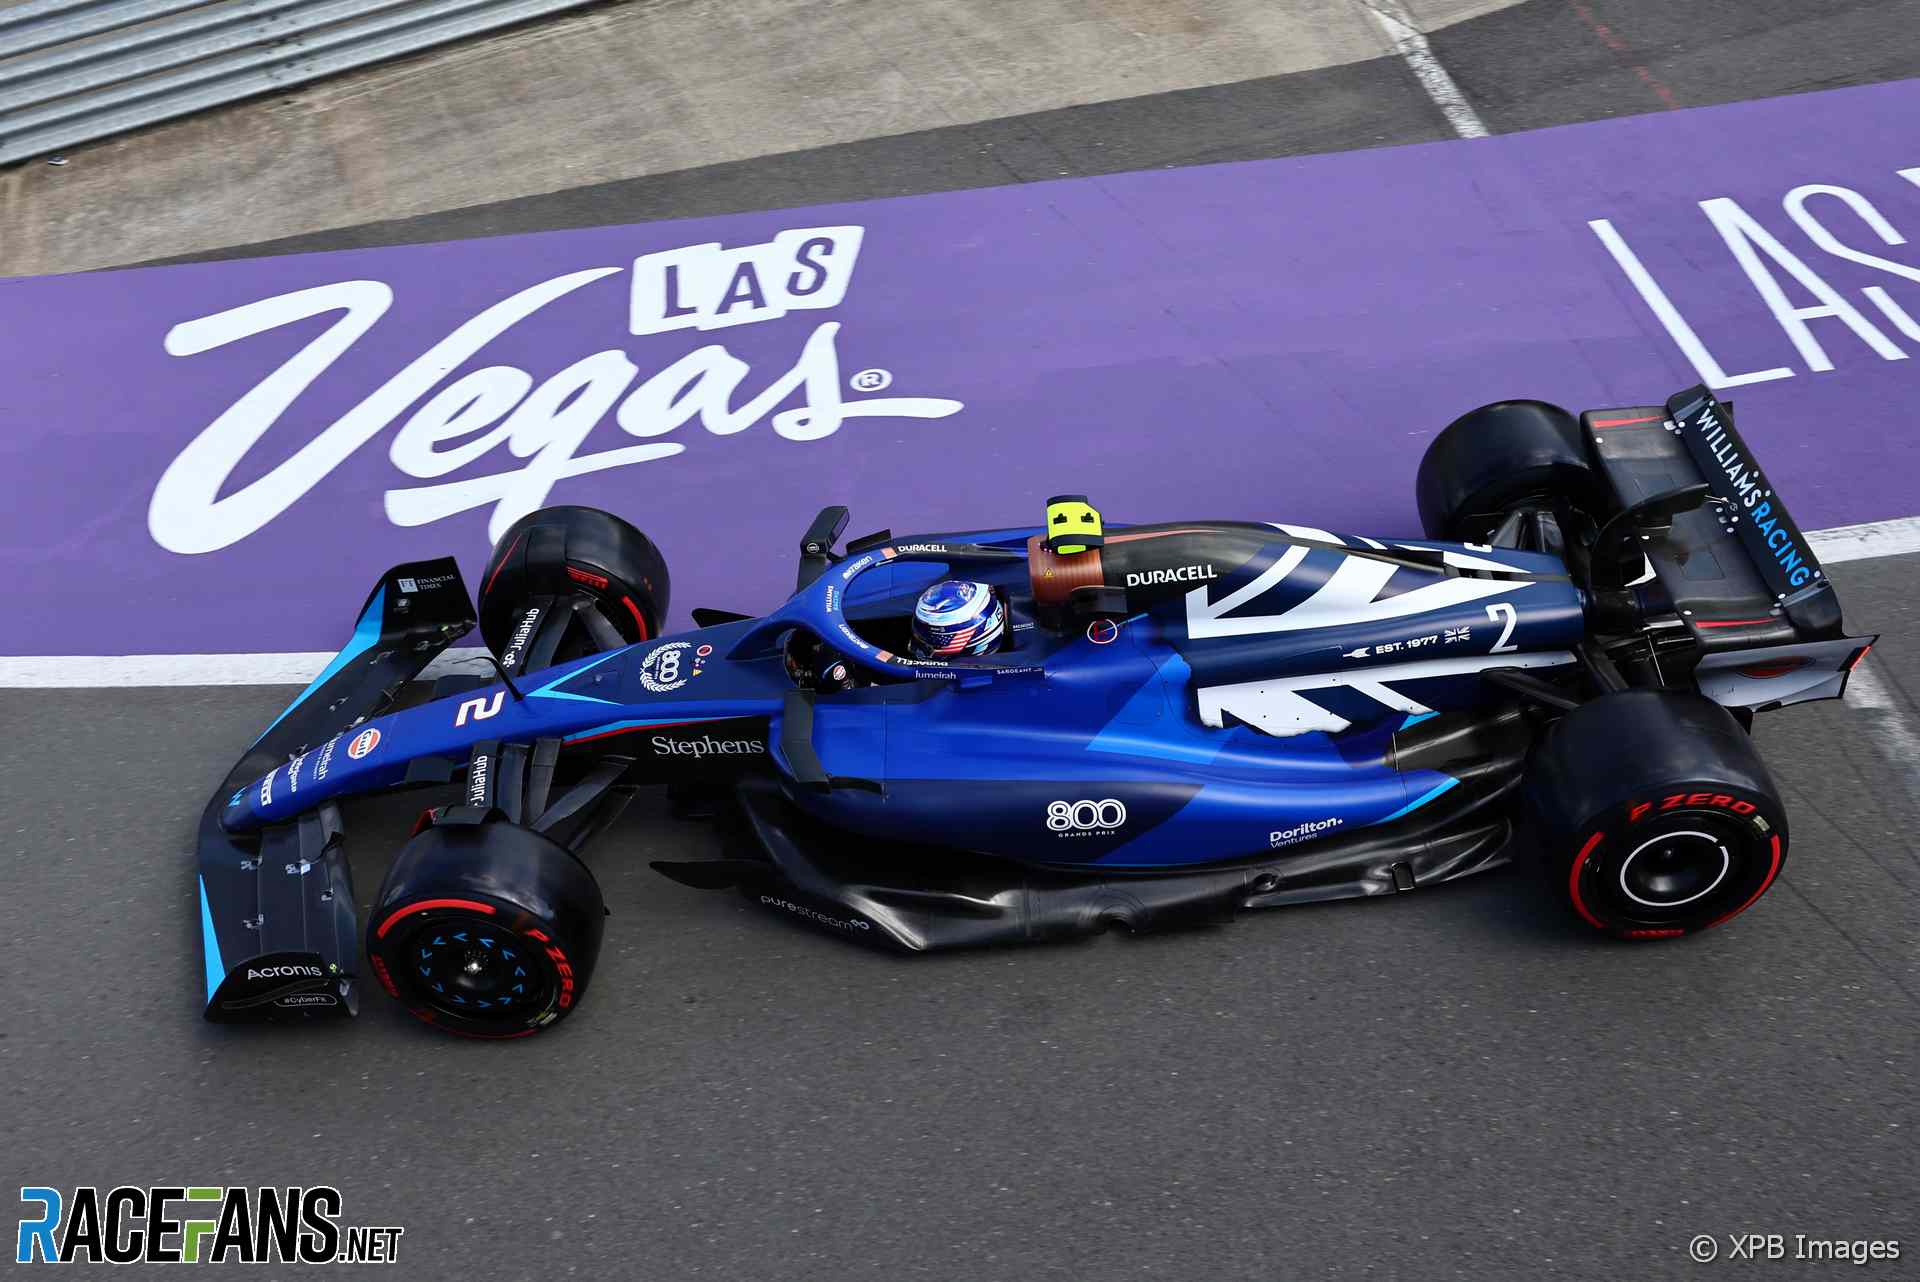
(640,88)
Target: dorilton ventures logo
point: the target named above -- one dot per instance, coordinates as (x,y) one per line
(451,421)
(184,1224)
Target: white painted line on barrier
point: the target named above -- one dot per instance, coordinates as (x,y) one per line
(88,671)
(1392,17)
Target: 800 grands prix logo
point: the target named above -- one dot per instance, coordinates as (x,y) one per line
(450,420)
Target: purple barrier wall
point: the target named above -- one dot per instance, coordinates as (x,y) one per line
(221,457)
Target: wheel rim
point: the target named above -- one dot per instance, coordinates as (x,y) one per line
(472,968)
(1674,869)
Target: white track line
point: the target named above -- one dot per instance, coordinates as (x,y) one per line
(1896,739)
(89,671)
(1862,542)
(1392,18)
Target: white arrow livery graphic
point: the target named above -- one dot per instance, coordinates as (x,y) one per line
(1274,706)
(1346,597)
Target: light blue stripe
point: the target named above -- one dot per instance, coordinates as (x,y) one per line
(210,944)
(547,691)
(1416,718)
(1420,801)
(365,634)
(625,725)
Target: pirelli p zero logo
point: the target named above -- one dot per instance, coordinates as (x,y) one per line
(1692,801)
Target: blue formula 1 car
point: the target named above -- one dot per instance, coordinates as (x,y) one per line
(1182,721)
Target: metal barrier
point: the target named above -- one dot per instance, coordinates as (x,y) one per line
(75,70)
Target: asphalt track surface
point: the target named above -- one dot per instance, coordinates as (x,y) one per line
(1453,1083)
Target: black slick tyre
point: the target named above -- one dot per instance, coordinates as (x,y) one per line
(557,561)
(488,930)
(1653,814)
(1500,457)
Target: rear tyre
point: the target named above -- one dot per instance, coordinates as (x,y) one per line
(488,930)
(1654,815)
(1498,458)
(553,564)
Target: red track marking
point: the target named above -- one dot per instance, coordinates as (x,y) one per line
(424,905)
(1619,46)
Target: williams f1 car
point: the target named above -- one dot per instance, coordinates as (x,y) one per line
(1184,721)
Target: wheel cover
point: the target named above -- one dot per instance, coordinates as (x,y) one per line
(473,968)
(1693,869)
(1674,869)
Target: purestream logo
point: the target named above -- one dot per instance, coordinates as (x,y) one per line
(825,919)
(183,1224)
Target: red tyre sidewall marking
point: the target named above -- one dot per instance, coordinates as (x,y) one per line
(503,562)
(1573,880)
(634,610)
(425,904)
(1771,874)
(428,1016)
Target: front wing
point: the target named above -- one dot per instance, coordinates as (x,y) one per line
(278,923)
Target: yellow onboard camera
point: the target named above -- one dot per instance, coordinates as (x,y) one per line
(1073,525)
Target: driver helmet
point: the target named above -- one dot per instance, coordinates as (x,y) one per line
(958,616)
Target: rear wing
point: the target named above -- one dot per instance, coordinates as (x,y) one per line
(1742,578)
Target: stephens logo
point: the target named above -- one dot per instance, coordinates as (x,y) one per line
(706,746)
(703,287)
(661,670)
(184,1224)
(363,743)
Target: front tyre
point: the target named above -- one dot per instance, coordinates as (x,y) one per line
(488,930)
(564,582)
(1654,815)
